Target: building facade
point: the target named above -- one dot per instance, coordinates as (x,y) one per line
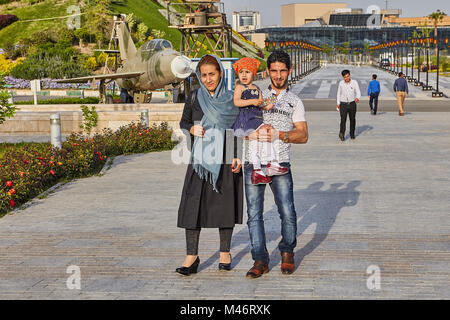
(246,21)
(298,14)
(354,38)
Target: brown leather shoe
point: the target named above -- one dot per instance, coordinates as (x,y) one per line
(258,269)
(287,263)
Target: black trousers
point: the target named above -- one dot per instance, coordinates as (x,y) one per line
(373,102)
(193,236)
(350,110)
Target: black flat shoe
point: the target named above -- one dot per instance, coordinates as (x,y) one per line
(186,271)
(225,266)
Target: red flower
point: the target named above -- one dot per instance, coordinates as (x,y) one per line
(52,172)
(100,158)
(9,183)
(25,161)
(140,133)
(12,191)
(12,203)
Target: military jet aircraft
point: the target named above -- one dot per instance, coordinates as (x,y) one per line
(155,65)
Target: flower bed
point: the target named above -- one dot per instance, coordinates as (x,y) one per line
(26,170)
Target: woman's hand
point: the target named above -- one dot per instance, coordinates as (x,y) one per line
(236,165)
(197,130)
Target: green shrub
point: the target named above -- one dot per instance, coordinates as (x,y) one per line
(51,60)
(90,119)
(87,100)
(6,109)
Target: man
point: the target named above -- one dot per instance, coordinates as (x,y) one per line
(348,96)
(373,91)
(284,124)
(401,90)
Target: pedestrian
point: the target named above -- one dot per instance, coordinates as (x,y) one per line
(348,96)
(247,97)
(286,122)
(212,195)
(373,91)
(401,90)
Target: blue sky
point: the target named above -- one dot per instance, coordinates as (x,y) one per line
(270,10)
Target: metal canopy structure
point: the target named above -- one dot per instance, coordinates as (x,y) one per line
(203,25)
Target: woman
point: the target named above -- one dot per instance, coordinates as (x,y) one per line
(212,195)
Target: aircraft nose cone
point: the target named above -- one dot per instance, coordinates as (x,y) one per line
(181,67)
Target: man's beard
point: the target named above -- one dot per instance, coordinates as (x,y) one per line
(282,86)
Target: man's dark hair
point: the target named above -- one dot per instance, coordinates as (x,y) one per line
(400,74)
(279,56)
(344,72)
(374,76)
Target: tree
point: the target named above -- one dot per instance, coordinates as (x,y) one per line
(98,19)
(425,32)
(436,16)
(142,31)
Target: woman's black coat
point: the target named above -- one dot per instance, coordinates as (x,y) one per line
(200,205)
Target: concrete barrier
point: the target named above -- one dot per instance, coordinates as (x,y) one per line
(34,120)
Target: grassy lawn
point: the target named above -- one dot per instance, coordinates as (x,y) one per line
(22,30)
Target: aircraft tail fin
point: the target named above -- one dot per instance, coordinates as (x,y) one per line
(126,44)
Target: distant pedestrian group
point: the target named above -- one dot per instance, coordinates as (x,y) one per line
(348,96)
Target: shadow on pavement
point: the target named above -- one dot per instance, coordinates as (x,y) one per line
(313,206)
(361,129)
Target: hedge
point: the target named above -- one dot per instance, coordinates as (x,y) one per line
(7,19)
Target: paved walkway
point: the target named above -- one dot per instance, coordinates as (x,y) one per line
(379,202)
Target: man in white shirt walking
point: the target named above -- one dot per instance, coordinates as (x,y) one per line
(348,96)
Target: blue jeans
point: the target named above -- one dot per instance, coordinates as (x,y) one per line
(282,189)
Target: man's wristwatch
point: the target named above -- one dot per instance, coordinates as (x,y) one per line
(286,137)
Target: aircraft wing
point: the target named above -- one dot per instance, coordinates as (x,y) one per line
(109,76)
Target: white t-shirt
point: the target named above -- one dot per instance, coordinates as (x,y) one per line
(287,110)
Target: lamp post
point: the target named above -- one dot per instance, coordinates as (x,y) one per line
(412,61)
(438,93)
(418,83)
(427,87)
